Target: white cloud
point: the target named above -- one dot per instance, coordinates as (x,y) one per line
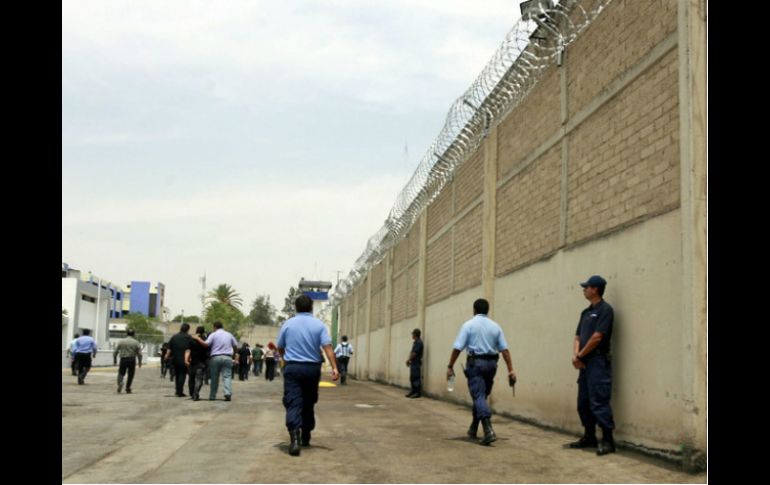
(261,239)
(337,46)
(201,75)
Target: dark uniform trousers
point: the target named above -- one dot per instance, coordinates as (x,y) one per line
(414,376)
(481,377)
(594,390)
(127,364)
(342,363)
(83,362)
(300,393)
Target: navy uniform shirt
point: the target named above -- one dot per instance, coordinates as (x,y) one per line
(417,349)
(597,318)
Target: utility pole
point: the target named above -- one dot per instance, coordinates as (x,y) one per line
(203,296)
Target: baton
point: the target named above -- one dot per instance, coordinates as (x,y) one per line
(512,383)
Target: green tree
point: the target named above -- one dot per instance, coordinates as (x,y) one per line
(262,311)
(188,319)
(231,317)
(226,295)
(288,302)
(144,328)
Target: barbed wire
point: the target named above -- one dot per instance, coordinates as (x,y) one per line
(533,44)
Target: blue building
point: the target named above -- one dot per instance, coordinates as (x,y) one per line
(142,297)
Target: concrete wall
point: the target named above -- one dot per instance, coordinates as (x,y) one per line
(538,308)
(400,345)
(600,170)
(259,334)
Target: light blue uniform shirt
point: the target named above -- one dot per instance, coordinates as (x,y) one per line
(480,335)
(302,337)
(84,345)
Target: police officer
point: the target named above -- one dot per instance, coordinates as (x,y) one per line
(591,357)
(484,340)
(299,339)
(343,351)
(415,364)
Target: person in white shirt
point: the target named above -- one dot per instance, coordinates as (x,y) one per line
(343,352)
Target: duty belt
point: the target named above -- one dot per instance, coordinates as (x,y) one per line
(484,357)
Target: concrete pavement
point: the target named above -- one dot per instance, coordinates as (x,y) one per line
(366,433)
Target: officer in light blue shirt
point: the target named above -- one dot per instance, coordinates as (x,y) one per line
(484,341)
(299,341)
(82,349)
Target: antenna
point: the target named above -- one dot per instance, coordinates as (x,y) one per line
(202,279)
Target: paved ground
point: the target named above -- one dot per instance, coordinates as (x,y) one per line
(366,433)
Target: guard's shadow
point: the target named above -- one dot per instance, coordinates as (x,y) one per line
(471,441)
(284,446)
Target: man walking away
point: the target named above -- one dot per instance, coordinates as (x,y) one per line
(85,346)
(178,350)
(129,350)
(244,357)
(299,339)
(483,338)
(71,355)
(256,358)
(222,345)
(343,352)
(197,364)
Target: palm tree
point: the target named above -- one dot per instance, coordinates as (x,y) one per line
(226,295)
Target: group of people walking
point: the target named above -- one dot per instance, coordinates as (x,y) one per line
(301,337)
(483,340)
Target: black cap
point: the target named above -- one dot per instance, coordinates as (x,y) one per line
(595,281)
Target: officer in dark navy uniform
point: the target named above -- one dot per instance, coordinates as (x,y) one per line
(592,357)
(415,365)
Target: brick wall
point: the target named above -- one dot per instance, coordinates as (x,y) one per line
(438,282)
(613,43)
(411,291)
(400,300)
(624,160)
(467,250)
(440,211)
(469,180)
(362,298)
(528,209)
(535,120)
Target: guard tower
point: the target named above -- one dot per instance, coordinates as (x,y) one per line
(318,291)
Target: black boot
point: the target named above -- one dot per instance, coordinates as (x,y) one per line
(489,433)
(474,429)
(607,444)
(588,440)
(305,437)
(294,445)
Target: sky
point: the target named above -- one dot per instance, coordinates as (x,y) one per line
(257,142)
